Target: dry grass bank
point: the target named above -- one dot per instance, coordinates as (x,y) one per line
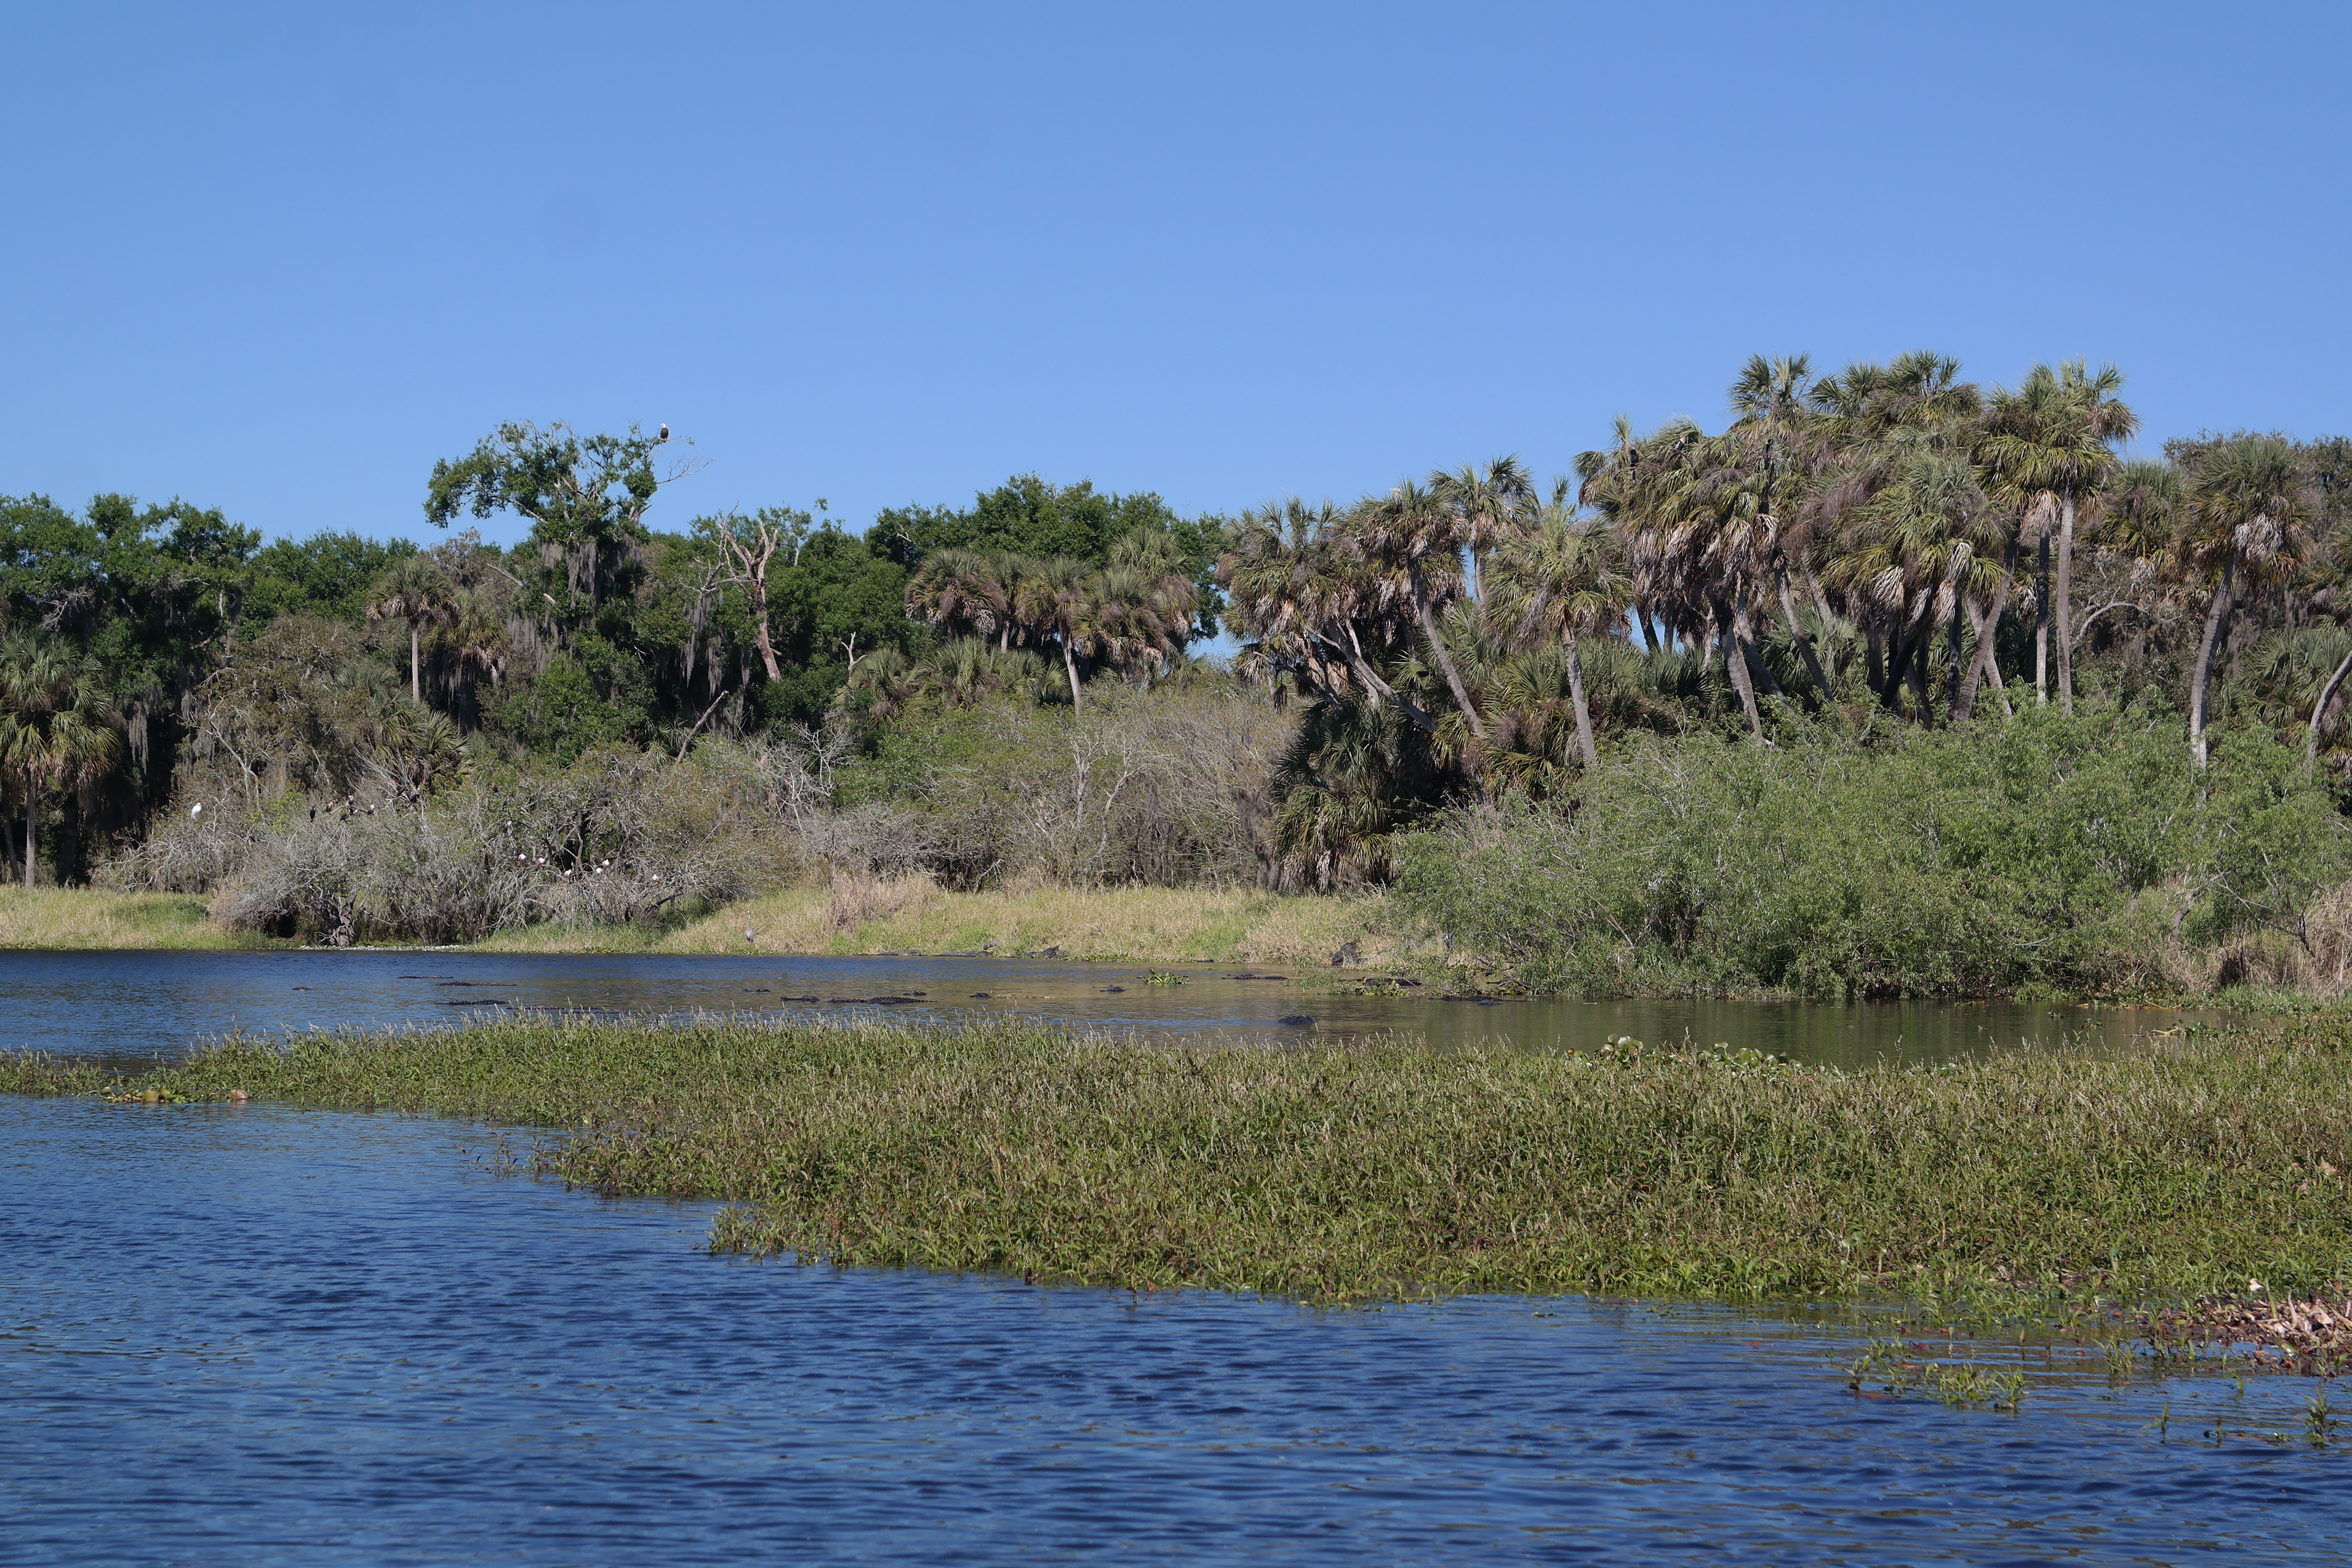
(89,918)
(907,914)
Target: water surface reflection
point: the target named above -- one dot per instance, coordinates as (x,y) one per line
(141,1004)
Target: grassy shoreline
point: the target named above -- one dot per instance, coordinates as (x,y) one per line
(2178,1171)
(89,918)
(1137,925)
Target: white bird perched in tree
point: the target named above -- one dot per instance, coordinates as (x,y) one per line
(197,809)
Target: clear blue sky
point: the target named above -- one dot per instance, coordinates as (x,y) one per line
(279,259)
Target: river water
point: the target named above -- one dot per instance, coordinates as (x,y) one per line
(255,1335)
(141,1004)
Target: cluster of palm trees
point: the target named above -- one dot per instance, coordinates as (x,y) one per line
(1371,604)
(1134,614)
(1890,536)
(1876,511)
(1901,501)
(59,729)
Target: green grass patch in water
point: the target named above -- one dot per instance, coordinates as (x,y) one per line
(2178,1169)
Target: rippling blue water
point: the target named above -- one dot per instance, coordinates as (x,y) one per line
(260,1336)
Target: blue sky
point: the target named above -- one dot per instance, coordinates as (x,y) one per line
(279,259)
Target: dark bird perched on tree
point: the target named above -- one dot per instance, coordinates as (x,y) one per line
(665,433)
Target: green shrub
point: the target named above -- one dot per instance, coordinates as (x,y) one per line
(2048,852)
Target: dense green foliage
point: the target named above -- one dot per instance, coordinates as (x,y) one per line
(1895,684)
(1889,546)
(2048,854)
(336,666)
(1338,1172)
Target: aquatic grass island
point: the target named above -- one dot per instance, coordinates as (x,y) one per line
(1377,1171)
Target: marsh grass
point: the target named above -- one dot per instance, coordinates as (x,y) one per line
(1361,1172)
(1125,924)
(92,918)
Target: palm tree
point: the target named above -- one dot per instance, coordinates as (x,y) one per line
(417,591)
(2046,445)
(1413,538)
(1918,551)
(1054,596)
(1698,543)
(1160,601)
(964,591)
(1774,452)
(57,722)
(1561,582)
(478,645)
(2243,515)
(1493,504)
(1900,428)
(1304,603)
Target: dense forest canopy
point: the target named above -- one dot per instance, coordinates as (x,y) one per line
(1853,558)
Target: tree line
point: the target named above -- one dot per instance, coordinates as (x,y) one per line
(1881,544)
(161,653)
(1888,545)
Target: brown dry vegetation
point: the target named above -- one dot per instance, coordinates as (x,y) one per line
(908,913)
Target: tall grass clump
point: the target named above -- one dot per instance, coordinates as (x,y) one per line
(2183,1168)
(2083,855)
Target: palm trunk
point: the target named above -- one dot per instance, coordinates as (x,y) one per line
(2041,620)
(1378,690)
(1952,673)
(1583,714)
(1988,659)
(1874,667)
(1743,629)
(1735,667)
(2063,604)
(1070,663)
(32,807)
(2319,709)
(415,687)
(1918,672)
(2216,615)
(1446,659)
(1804,642)
(1898,663)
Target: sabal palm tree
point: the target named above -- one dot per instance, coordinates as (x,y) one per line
(1879,422)
(1306,605)
(1054,596)
(478,645)
(1918,551)
(2046,446)
(56,723)
(963,590)
(1165,598)
(1697,542)
(2243,518)
(1412,540)
(1774,452)
(1562,582)
(1495,503)
(418,591)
